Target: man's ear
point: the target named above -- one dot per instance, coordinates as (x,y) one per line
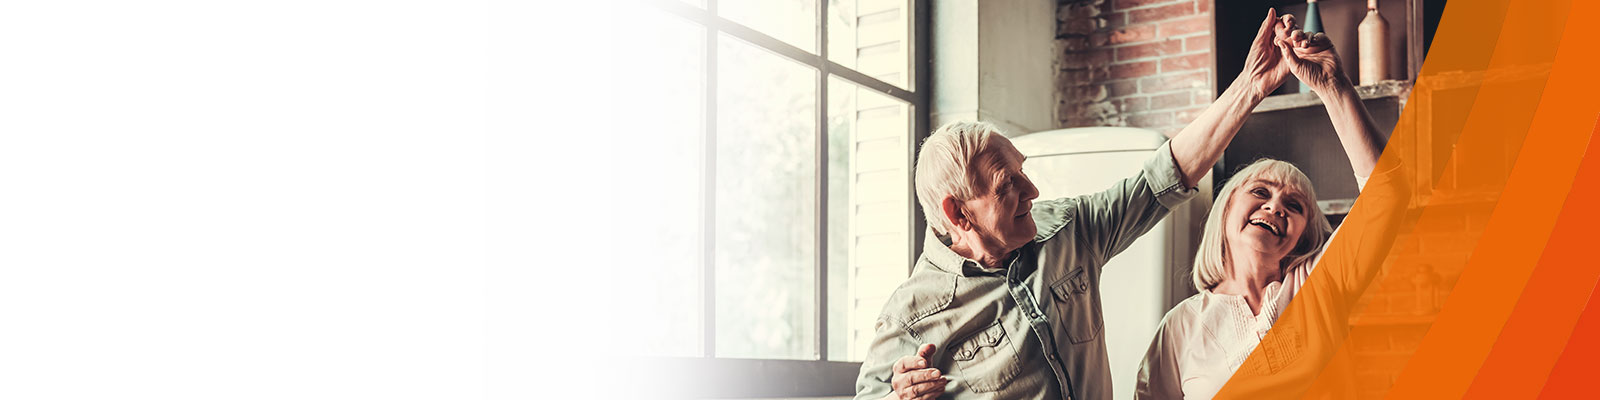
(953,212)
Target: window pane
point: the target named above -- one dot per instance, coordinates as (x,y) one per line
(673,150)
(869,211)
(792,21)
(873,37)
(765,204)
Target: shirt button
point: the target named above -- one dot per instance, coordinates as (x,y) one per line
(1051,356)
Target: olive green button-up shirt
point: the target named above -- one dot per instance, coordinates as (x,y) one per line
(1030,330)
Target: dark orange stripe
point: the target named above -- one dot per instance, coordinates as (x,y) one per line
(1552,302)
(1573,376)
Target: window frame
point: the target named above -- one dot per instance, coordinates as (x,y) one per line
(711,376)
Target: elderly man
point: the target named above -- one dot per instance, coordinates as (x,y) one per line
(1004,301)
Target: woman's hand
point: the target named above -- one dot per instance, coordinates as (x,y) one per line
(1264,66)
(1311,59)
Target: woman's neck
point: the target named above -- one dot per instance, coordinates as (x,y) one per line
(1249,273)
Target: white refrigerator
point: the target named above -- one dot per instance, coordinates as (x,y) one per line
(1139,285)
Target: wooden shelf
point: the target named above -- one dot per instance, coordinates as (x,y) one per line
(1390,88)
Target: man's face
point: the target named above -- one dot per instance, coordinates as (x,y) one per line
(1000,214)
(1265,216)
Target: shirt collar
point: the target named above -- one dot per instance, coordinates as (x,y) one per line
(936,249)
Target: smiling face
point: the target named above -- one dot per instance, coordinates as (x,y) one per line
(1266,210)
(1266,216)
(1000,215)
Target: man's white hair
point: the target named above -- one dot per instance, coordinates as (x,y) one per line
(946,167)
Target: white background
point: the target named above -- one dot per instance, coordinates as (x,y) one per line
(309,199)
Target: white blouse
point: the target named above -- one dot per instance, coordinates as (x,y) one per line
(1208,336)
(1205,338)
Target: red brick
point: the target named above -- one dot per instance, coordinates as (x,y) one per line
(1084,93)
(1203,6)
(1122,88)
(1127,4)
(1099,74)
(1150,120)
(1067,12)
(1133,70)
(1125,35)
(1068,110)
(1161,13)
(1133,104)
(1078,27)
(1149,50)
(1085,59)
(1170,100)
(1169,82)
(1188,115)
(1073,43)
(1201,97)
(1100,109)
(1070,77)
(1185,26)
(1185,63)
(1370,342)
(1114,20)
(1197,43)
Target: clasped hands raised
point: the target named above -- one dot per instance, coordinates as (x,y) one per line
(1280,49)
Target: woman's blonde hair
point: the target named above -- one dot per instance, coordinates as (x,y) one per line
(1210,265)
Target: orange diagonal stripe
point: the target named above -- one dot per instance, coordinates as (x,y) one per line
(1544,317)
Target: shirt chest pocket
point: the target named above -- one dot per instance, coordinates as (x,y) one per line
(986,359)
(1077,309)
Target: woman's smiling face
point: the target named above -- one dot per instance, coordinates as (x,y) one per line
(1265,216)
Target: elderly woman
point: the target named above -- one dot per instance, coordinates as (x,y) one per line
(1263,238)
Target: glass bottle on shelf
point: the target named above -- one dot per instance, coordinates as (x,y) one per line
(1312,25)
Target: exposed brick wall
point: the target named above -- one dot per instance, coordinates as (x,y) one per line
(1403,308)
(1140,63)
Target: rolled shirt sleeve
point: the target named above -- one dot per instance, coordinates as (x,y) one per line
(1112,219)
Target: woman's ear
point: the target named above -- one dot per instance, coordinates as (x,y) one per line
(953,212)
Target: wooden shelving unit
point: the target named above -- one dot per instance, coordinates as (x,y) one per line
(1411,27)
(1293,126)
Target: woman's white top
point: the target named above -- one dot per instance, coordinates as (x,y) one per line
(1213,334)
(1205,338)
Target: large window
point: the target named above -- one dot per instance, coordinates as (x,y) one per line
(785,148)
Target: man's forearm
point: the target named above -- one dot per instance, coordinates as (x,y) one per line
(1198,145)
